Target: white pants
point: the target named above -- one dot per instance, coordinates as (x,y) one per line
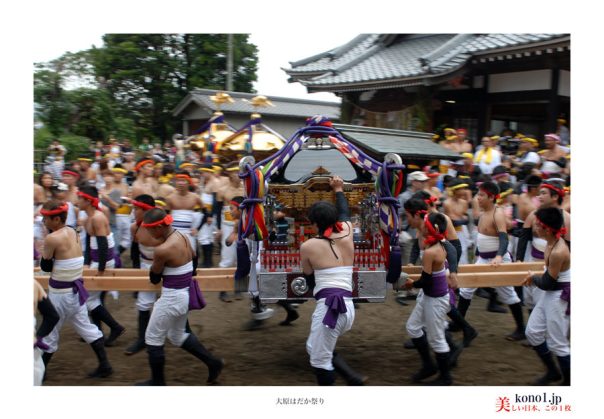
(549,323)
(122,230)
(38,367)
(322,340)
(255,249)
(507,295)
(69,309)
(464,241)
(168,318)
(228,254)
(145,299)
(531,293)
(94,297)
(431,314)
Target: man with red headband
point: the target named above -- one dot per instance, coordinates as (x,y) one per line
(172,264)
(145,183)
(432,303)
(548,326)
(327,262)
(70,177)
(99,255)
(141,252)
(62,256)
(182,204)
(492,243)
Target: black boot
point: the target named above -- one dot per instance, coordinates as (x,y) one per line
(325,377)
(552,374)
(121,249)
(195,348)
(104,369)
(428,367)
(103,315)
(292,313)
(564,362)
(469,333)
(46,357)
(518,334)
(495,306)
(454,349)
(351,377)
(157,360)
(139,344)
(444,378)
(462,305)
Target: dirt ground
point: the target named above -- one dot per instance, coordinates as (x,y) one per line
(275,355)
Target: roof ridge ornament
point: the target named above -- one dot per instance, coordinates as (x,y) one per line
(221,98)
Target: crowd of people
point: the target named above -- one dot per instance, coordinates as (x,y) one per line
(167,210)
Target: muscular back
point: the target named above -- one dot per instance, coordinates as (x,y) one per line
(175,251)
(317,253)
(62,244)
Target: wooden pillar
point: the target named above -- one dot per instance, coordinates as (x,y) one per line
(553,107)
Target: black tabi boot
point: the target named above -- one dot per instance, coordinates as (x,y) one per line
(46,357)
(103,315)
(552,374)
(454,349)
(139,344)
(428,368)
(444,378)
(104,369)
(469,333)
(325,377)
(292,313)
(564,362)
(462,305)
(157,360)
(195,348)
(495,306)
(518,334)
(351,377)
(520,293)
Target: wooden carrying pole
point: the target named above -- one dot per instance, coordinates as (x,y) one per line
(221,279)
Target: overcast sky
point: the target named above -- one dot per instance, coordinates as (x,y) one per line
(274,53)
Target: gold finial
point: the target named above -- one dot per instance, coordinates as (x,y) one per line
(259,102)
(221,97)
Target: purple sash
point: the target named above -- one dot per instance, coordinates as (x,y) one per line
(40,344)
(334,300)
(490,255)
(196,300)
(438,286)
(565,296)
(536,253)
(77,286)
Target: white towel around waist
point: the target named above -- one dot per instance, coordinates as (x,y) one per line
(487,243)
(338,277)
(179,270)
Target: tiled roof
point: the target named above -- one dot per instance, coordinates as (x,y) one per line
(291,107)
(411,58)
(407,144)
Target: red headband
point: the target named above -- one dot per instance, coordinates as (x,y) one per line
(498,175)
(183,176)
(490,194)
(63,208)
(69,172)
(556,233)
(560,192)
(234,203)
(141,205)
(431,200)
(337,227)
(94,201)
(167,220)
(142,163)
(433,235)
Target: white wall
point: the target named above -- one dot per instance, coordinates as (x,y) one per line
(520,81)
(564,84)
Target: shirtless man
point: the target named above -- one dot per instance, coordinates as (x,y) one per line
(99,255)
(62,257)
(145,183)
(553,157)
(87,173)
(209,188)
(182,204)
(228,254)
(115,189)
(456,208)
(71,177)
(128,162)
(180,293)
(549,323)
(329,258)
(142,249)
(165,187)
(492,243)
(462,145)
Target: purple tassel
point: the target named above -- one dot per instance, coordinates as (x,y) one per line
(394,270)
(243,260)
